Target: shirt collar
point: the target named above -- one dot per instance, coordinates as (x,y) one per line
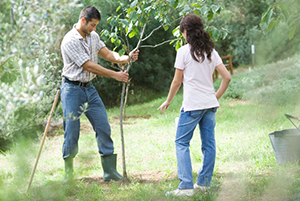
(77,34)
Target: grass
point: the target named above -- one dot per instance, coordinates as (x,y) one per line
(245,166)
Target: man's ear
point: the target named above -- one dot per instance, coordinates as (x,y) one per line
(82,20)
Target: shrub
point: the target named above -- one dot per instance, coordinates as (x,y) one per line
(30,65)
(276,84)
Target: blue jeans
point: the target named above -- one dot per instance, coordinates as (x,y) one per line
(73,98)
(186,125)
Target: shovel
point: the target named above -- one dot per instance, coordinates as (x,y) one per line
(43,140)
(290,117)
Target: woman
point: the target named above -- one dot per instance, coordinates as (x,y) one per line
(195,63)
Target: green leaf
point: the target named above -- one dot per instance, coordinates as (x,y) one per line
(272,25)
(174,3)
(131,34)
(152,13)
(109,19)
(117,43)
(118,8)
(104,33)
(124,22)
(215,34)
(204,10)
(215,8)
(178,45)
(143,20)
(292,32)
(176,32)
(197,12)
(129,28)
(121,52)
(133,16)
(267,16)
(225,34)
(210,15)
(185,10)
(134,3)
(264,15)
(284,11)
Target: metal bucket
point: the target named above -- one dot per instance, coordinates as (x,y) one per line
(286,144)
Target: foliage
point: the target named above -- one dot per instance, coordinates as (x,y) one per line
(154,68)
(130,17)
(281,31)
(275,84)
(241,19)
(285,11)
(29,66)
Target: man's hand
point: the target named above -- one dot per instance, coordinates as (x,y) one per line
(121,76)
(134,55)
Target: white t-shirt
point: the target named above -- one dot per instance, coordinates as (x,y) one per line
(198,89)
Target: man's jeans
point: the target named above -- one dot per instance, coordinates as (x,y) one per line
(185,129)
(73,98)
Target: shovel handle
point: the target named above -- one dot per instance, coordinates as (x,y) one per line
(292,117)
(43,139)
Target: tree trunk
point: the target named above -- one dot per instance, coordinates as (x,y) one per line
(125,177)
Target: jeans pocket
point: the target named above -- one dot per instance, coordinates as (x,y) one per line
(214,109)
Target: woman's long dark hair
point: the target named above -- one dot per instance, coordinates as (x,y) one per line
(197,37)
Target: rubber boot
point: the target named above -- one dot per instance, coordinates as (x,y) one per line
(68,170)
(109,164)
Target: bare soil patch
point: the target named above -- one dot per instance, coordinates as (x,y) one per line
(143,177)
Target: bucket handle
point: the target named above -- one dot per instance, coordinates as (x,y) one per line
(290,117)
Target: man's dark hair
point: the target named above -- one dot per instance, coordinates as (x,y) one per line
(89,13)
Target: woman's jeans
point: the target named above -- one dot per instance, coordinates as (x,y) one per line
(74,99)
(185,129)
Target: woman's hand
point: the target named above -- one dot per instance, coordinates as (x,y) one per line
(164,105)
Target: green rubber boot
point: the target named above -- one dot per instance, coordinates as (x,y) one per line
(109,164)
(68,170)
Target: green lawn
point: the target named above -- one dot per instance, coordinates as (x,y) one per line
(245,166)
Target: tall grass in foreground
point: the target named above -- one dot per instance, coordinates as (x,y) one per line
(245,165)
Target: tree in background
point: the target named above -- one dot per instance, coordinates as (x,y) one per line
(286,11)
(281,26)
(29,65)
(241,19)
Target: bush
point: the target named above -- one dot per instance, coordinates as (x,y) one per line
(275,84)
(241,19)
(30,65)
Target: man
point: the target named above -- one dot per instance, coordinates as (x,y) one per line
(80,49)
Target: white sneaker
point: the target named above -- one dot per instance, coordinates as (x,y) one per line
(181,192)
(198,188)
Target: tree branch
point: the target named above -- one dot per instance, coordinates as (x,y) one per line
(137,47)
(125,178)
(154,46)
(157,28)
